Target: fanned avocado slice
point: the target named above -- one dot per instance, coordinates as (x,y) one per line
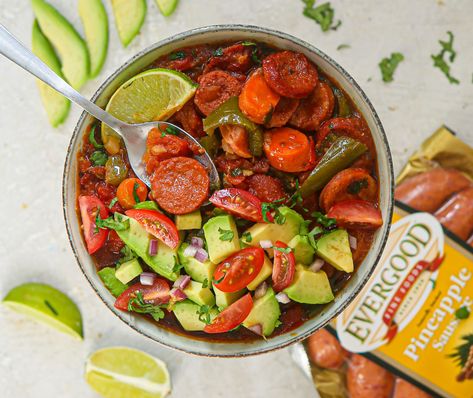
(129,17)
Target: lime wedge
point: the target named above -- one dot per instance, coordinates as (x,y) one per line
(120,372)
(155,94)
(167,7)
(48,305)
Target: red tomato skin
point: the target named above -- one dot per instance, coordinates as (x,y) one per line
(235,200)
(283,274)
(88,206)
(158,225)
(157,294)
(237,270)
(356,213)
(232,316)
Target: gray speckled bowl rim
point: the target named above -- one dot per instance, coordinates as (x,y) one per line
(290,339)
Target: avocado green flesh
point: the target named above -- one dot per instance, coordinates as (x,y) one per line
(56,105)
(265,312)
(310,287)
(220,249)
(199,294)
(265,273)
(223,299)
(195,269)
(95,21)
(185,222)
(187,313)
(129,17)
(67,42)
(303,250)
(137,239)
(334,248)
(128,271)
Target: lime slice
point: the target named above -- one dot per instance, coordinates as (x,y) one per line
(155,94)
(167,7)
(120,372)
(48,305)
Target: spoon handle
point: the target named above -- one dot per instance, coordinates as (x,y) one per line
(16,52)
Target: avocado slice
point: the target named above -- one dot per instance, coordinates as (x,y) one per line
(264,274)
(220,249)
(111,282)
(187,313)
(129,17)
(185,222)
(334,248)
(56,105)
(95,21)
(303,250)
(199,294)
(69,45)
(265,312)
(198,271)
(128,271)
(167,7)
(310,287)
(137,239)
(223,299)
(273,231)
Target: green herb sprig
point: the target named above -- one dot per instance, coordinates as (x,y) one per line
(444,64)
(137,304)
(322,14)
(226,234)
(389,65)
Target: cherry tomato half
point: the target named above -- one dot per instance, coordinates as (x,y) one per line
(156,294)
(239,202)
(284,267)
(356,214)
(237,271)
(128,189)
(158,225)
(232,316)
(89,207)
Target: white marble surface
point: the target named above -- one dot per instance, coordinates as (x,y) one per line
(38,362)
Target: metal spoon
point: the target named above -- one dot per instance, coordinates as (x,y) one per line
(133,135)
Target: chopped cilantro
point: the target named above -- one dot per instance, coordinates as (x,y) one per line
(388,66)
(440,61)
(107,275)
(99,158)
(236,172)
(277,323)
(226,234)
(204,314)
(356,186)
(137,304)
(127,255)
(322,14)
(285,250)
(205,283)
(247,236)
(218,52)
(217,281)
(112,202)
(273,210)
(177,55)
(135,192)
(462,313)
(323,220)
(171,130)
(115,222)
(343,47)
(92,139)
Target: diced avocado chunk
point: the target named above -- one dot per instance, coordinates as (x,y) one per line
(310,287)
(199,294)
(111,282)
(265,312)
(273,231)
(187,314)
(220,249)
(223,300)
(185,222)
(137,239)
(303,250)
(334,248)
(264,274)
(128,271)
(195,269)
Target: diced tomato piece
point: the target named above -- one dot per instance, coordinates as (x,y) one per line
(356,214)
(284,267)
(232,316)
(238,202)
(156,294)
(89,207)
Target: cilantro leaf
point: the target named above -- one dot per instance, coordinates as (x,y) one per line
(440,61)
(117,222)
(177,55)
(272,209)
(99,158)
(112,202)
(388,66)
(137,304)
(322,219)
(205,283)
(343,47)
(285,250)
(135,193)
(127,255)
(247,236)
(204,314)
(226,234)
(322,14)
(218,52)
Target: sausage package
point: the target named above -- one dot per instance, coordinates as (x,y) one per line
(409,333)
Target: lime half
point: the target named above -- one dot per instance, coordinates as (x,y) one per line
(120,372)
(48,305)
(155,94)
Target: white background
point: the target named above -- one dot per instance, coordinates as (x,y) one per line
(38,362)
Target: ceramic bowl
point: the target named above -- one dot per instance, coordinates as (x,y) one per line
(214,34)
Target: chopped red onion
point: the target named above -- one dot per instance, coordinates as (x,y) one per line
(201,255)
(197,242)
(261,290)
(177,294)
(258,329)
(266,244)
(153,247)
(147,278)
(190,251)
(353,242)
(317,265)
(282,298)
(182,282)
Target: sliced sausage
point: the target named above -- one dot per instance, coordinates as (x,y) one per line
(352,183)
(470,241)
(235,140)
(365,379)
(429,190)
(266,188)
(457,213)
(283,112)
(235,58)
(403,389)
(190,120)
(290,74)
(314,109)
(215,88)
(180,185)
(325,351)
